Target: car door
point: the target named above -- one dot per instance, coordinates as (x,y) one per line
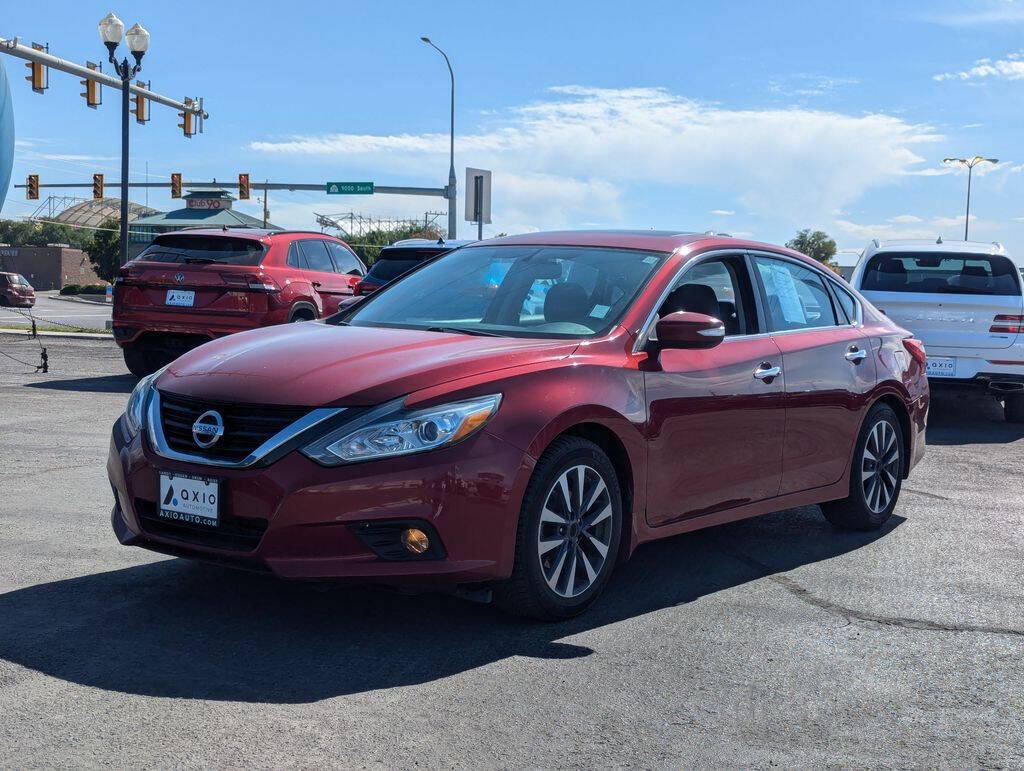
(331,286)
(716,416)
(346,264)
(829,367)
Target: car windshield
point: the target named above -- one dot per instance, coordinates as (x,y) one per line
(204,249)
(515,291)
(924,273)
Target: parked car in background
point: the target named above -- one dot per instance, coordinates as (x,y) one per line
(401,257)
(16,291)
(452,430)
(192,286)
(963,299)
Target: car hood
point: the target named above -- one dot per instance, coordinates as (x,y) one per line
(313,364)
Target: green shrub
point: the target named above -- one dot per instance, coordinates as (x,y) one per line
(70,289)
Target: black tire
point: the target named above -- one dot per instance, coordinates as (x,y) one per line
(303,314)
(137,361)
(527,592)
(863,509)
(1013,408)
(3,301)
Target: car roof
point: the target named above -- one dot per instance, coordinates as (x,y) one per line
(647,240)
(256,234)
(430,243)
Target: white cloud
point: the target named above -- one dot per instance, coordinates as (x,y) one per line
(73,157)
(1010,68)
(910,226)
(722,212)
(588,144)
(984,12)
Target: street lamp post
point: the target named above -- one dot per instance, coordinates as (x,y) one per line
(451,169)
(137,38)
(970,163)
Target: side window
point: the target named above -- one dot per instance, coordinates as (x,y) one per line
(295,258)
(847,303)
(316,255)
(720,288)
(344,260)
(796,296)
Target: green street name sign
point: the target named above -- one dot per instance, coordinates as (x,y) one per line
(349,188)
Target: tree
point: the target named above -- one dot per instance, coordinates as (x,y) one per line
(104,248)
(41,233)
(369,244)
(816,245)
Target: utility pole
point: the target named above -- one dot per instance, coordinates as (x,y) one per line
(452,184)
(970,163)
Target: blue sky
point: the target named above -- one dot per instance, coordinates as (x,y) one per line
(750,117)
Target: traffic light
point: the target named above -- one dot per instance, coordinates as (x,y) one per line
(97,185)
(93,95)
(32,187)
(38,73)
(141,108)
(175,185)
(243,187)
(187,124)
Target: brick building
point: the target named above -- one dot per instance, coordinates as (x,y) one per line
(49,267)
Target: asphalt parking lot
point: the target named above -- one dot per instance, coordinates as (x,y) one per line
(50,309)
(775,641)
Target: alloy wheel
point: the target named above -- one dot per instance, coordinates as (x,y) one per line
(880,466)
(575,531)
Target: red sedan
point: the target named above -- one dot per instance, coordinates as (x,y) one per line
(518,416)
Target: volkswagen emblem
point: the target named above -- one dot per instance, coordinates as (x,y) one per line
(208,428)
(179,277)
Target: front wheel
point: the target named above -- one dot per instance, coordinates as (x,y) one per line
(876,476)
(568,533)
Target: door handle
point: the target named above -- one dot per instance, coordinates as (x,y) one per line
(855,354)
(767,372)
(316,284)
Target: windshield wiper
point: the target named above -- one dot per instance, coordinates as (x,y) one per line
(463,331)
(199,260)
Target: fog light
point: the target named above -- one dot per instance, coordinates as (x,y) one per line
(415,540)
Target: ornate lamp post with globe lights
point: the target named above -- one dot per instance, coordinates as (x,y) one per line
(111,30)
(970,163)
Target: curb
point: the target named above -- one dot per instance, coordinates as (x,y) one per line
(68,335)
(80,300)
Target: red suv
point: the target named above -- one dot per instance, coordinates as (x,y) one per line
(613,388)
(15,290)
(189,287)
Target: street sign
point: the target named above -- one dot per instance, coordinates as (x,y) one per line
(478,195)
(349,188)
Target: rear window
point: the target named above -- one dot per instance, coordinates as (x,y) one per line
(392,263)
(924,273)
(204,249)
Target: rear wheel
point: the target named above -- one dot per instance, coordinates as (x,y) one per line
(1013,408)
(303,314)
(876,476)
(137,361)
(568,533)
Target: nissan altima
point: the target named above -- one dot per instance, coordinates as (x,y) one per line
(516,416)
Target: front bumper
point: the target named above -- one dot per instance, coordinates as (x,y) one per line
(21,300)
(297,519)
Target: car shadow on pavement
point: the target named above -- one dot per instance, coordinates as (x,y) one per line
(969,418)
(176,629)
(107,384)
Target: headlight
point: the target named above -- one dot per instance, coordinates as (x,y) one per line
(404,432)
(135,412)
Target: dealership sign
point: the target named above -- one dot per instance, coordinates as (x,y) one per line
(208,204)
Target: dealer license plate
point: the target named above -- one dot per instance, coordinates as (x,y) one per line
(184,297)
(191,499)
(941,366)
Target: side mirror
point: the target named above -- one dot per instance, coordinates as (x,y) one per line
(684,329)
(350,302)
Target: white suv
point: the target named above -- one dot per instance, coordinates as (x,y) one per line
(963,300)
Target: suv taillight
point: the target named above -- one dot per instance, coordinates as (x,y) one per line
(916,350)
(1007,324)
(357,288)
